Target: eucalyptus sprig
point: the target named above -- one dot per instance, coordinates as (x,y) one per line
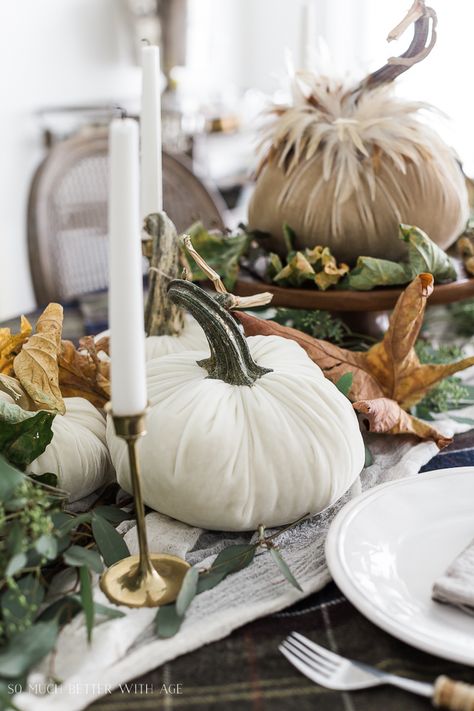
(38,539)
(169,618)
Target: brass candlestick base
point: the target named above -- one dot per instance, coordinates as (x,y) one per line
(142,580)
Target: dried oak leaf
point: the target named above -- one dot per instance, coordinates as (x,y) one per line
(82,373)
(36,366)
(386,416)
(389,370)
(11,344)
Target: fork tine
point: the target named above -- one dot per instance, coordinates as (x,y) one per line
(322,651)
(307,655)
(302,667)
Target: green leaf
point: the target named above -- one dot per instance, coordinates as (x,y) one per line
(78,557)
(423,256)
(62,610)
(229,560)
(47,546)
(370,272)
(10,478)
(344,384)
(47,479)
(65,523)
(113,514)
(289,237)
(23,435)
(282,564)
(15,564)
(463,420)
(27,648)
(87,600)
(110,612)
(369,460)
(14,611)
(15,538)
(222,252)
(187,591)
(110,543)
(167,621)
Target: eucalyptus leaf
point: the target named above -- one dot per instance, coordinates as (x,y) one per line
(47,546)
(15,538)
(283,565)
(187,591)
(23,435)
(463,420)
(111,613)
(15,564)
(111,545)
(65,523)
(79,556)
(48,479)
(167,621)
(229,560)
(87,600)
(369,459)
(27,648)
(10,478)
(222,252)
(62,610)
(14,612)
(112,514)
(344,384)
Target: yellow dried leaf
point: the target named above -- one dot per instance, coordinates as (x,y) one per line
(11,344)
(36,366)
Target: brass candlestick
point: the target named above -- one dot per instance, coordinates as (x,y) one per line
(144,580)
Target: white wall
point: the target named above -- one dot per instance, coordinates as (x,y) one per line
(52,52)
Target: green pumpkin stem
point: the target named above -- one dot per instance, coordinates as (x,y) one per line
(230,359)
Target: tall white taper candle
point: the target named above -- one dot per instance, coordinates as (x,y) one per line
(126,287)
(307,34)
(150,126)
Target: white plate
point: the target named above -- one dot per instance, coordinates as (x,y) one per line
(386,548)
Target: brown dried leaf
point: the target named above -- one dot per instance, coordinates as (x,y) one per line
(390,370)
(334,361)
(466,250)
(386,416)
(36,366)
(82,373)
(11,344)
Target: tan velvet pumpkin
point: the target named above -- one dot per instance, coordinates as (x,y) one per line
(344,166)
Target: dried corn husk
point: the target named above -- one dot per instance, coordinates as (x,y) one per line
(344,166)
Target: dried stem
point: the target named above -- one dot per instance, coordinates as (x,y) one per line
(227,300)
(419,49)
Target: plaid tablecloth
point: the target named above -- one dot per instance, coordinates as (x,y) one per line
(246,672)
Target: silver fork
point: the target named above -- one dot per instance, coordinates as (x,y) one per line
(335,672)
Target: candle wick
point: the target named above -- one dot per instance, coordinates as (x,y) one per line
(121,111)
(146,42)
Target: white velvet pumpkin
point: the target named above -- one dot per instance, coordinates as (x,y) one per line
(78,452)
(226,456)
(191,338)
